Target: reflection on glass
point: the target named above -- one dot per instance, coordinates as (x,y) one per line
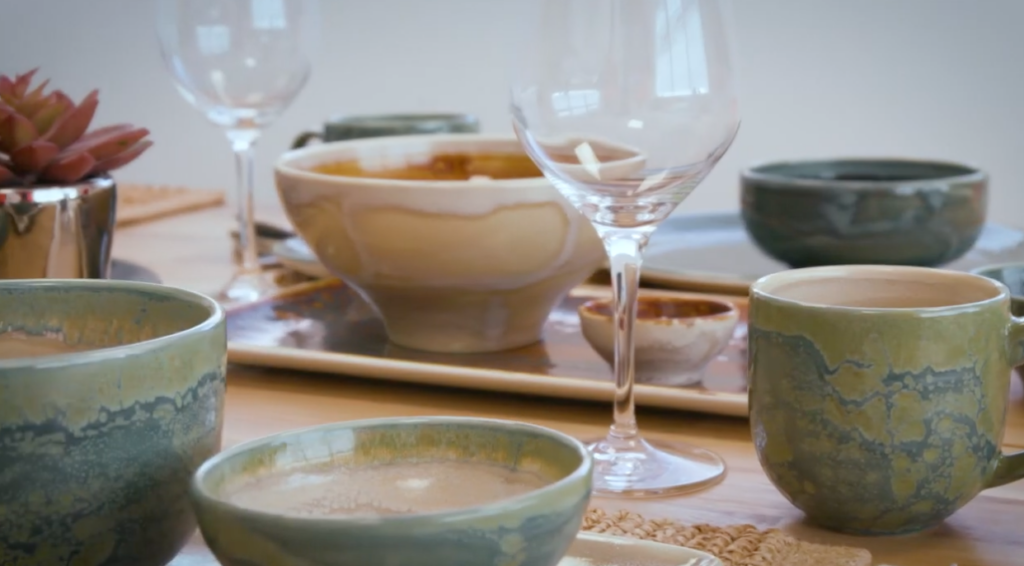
(682,67)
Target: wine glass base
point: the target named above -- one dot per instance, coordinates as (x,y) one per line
(638,468)
(247,287)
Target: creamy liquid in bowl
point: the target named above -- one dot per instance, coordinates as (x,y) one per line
(392,489)
(20,345)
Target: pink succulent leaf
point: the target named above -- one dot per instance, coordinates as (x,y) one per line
(107,142)
(63,98)
(72,125)
(34,156)
(23,81)
(105,131)
(16,131)
(7,89)
(123,158)
(38,91)
(5,174)
(68,169)
(31,106)
(47,116)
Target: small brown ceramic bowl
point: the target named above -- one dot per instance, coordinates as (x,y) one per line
(675,337)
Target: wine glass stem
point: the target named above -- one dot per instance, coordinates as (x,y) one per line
(243,142)
(625,249)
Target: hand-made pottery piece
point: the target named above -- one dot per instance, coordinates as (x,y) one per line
(878,394)
(1011,275)
(380,125)
(864,211)
(456,240)
(434,491)
(675,338)
(111,396)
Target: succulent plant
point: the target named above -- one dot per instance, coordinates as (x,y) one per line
(43,137)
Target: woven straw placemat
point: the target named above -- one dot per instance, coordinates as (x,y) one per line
(137,203)
(736,545)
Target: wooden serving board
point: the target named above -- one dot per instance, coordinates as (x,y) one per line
(137,203)
(326,327)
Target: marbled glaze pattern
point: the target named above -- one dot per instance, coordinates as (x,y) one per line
(97,448)
(864,211)
(464,266)
(534,529)
(881,422)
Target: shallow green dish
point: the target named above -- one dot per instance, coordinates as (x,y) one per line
(532,529)
(97,447)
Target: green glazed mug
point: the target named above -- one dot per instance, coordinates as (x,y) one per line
(380,125)
(878,394)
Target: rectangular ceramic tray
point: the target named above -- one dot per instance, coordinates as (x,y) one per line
(325,327)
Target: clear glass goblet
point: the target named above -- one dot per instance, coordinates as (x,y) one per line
(626,106)
(241,63)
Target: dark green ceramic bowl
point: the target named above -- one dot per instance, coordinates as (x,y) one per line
(864,211)
(534,528)
(97,446)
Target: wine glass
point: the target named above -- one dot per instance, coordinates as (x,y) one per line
(626,106)
(241,63)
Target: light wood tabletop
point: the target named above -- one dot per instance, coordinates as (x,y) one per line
(193,251)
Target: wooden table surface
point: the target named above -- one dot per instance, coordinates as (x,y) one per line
(193,251)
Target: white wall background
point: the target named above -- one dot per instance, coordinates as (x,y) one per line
(923,78)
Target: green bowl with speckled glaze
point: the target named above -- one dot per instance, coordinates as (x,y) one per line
(98,444)
(864,211)
(534,528)
(878,394)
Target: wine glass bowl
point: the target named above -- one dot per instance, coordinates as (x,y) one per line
(240,63)
(626,106)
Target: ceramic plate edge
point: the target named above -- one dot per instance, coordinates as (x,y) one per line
(647,551)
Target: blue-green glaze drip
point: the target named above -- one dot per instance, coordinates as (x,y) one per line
(97,448)
(843,478)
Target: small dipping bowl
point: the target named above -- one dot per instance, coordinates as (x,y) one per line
(353,473)
(1011,275)
(864,211)
(675,337)
(111,396)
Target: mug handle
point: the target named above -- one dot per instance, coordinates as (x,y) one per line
(1010,467)
(304,139)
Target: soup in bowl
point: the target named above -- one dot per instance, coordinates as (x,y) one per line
(432,491)
(458,241)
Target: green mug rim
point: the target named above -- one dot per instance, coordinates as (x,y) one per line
(757,290)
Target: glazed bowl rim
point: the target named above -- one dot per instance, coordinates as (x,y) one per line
(285,163)
(214,318)
(586,309)
(200,490)
(757,290)
(754,172)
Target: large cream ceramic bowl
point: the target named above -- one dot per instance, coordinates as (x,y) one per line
(450,265)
